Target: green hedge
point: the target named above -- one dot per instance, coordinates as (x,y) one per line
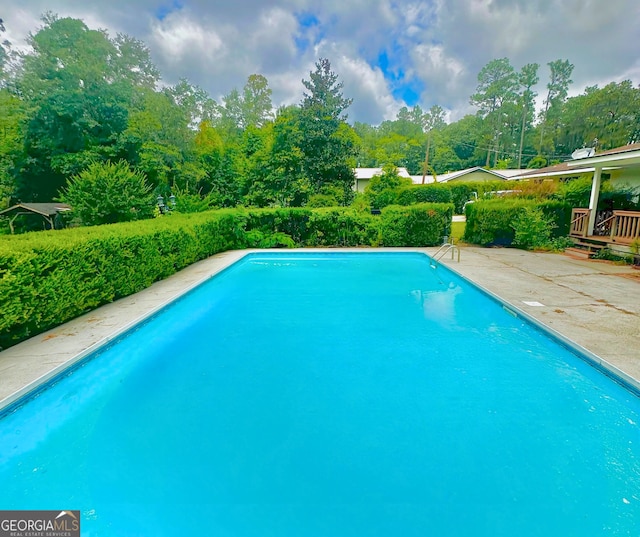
(434,193)
(50,277)
(455,192)
(343,227)
(423,224)
(489,222)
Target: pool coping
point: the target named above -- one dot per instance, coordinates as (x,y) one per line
(228,259)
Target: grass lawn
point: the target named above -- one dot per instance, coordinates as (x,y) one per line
(457,230)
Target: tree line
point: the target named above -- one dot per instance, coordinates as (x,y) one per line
(80,99)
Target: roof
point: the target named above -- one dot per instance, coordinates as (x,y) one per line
(617,150)
(368,173)
(45,209)
(556,170)
(450,176)
(627,154)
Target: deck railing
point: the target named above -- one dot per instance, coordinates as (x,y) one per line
(579,222)
(613,226)
(625,226)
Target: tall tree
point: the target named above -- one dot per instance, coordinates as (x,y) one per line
(610,114)
(557,90)
(195,101)
(80,86)
(329,145)
(324,97)
(12,121)
(230,115)
(432,120)
(528,77)
(8,58)
(495,93)
(280,181)
(257,108)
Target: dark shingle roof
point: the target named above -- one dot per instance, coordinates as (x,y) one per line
(46,209)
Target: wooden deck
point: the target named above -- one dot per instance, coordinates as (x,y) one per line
(619,227)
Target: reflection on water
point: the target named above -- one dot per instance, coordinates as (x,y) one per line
(438,305)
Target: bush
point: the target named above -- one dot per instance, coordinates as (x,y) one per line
(423,224)
(490,222)
(383,189)
(258,239)
(106,193)
(532,229)
(322,200)
(460,194)
(292,222)
(578,192)
(340,227)
(380,200)
(434,193)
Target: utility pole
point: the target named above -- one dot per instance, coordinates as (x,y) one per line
(426,158)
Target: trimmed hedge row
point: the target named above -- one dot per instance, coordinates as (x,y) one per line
(455,192)
(434,193)
(48,278)
(422,224)
(489,222)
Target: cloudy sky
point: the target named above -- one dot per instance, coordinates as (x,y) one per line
(388,53)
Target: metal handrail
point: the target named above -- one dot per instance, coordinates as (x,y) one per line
(440,253)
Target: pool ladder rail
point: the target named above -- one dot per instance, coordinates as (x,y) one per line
(442,251)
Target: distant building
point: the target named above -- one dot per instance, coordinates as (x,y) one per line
(364,175)
(470,174)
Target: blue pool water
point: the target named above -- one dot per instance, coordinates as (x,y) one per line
(333,395)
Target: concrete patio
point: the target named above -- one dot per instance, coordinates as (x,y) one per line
(594,304)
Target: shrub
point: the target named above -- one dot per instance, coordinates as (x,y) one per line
(382,199)
(434,193)
(321,200)
(489,222)
(383,189)
(106,193)
(258,239)
(292,222)
(423,224)
(193,203)
(532,229)
(460,194)
(340,227)
(538,190)
(578,192)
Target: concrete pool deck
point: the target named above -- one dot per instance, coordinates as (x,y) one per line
(594,304)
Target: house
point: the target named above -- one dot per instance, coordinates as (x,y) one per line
(364,175)
(470,174)
(619,168)
(617,230)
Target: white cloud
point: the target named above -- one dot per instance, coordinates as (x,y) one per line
(179,36)
(372,99)
(441,43)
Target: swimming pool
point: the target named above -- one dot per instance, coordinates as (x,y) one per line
(331,394)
